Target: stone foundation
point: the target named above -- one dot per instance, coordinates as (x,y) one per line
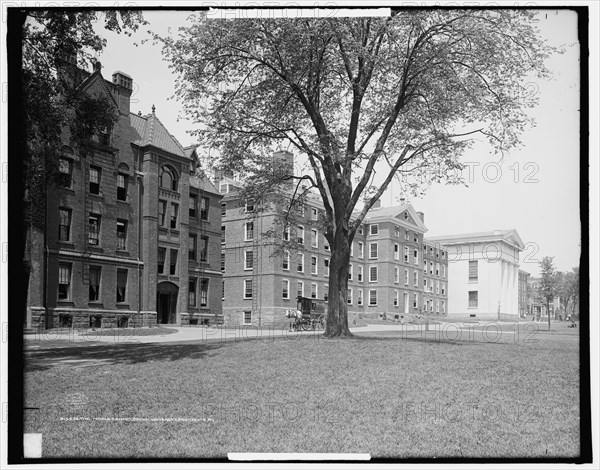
(90,318)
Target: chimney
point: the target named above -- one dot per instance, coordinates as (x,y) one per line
(422,216)
(283,165)
(97,66)
(122,88)
(402,201)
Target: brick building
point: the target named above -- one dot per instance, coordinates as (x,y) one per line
(393,270)
(132,232)
(524,294)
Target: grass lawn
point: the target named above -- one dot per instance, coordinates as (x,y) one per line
(387,396)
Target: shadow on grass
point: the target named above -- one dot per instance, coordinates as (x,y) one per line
(109,354)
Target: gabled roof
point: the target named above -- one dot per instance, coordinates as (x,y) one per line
(396,212)
(509,236)
(97,78)
(150,131)
(202,183)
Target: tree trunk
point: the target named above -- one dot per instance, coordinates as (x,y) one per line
(337,316)
(548,313)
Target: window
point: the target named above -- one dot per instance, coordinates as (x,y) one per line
(193,247)
(326,293)
(95,179)
(248,289)
(372,297)
(360,273)
(285,289)
(300,267)
(416,238)
(443,257)
(349,296)
(473,298)
(431,267)
(104,135)
(374,228)
(314,238)
(416,278)
(397,231)
(168,178)
(162,252)
(249,206)
(65,168)
(406,254)
(223,239)
(406,234)
(286,233)
(443,288)
(313,290)
(350,269)
(94,288)
(326,270)
(285,262)
(300,234)
(249,231)
(437,269)
(203,249)
(247,317)
(174,210)
(396,275)
(416,256)
(424,267)
(300,288)
(425,284)
(415,300)
(406,276)
(64,225)
(193,205)
(373,251)
(192,292)
(173,262)
(314,214)
(437,306)
(313,265)
(301,208)
(223,290)
(223,188)
(122,183)
(443,306)
(121,234)
(396,251)
(94,229)
(359,301)
(360,229)
(396,298)
(473,274)
(204,206)
(325,244)
(405,215)
(223,209)
(203,292)
(351,249)
(222,261)
(162,209)
(373,274)
(437,287)
(121,285)
(443,270)
(248,259)
(361,250)
(64,281)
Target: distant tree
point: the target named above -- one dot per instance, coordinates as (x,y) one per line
(356,95)
(57,46)
(549,284)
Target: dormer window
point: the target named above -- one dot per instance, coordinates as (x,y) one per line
(405,215)
(104,135)
(168,178)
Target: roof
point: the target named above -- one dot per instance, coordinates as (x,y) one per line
(508,235)
(153,132)
(202,183)
(395,213)
(189,150)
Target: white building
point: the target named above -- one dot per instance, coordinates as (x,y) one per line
(483,274)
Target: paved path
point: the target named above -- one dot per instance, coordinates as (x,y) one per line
(193,334)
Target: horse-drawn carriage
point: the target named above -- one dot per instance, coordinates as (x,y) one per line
(310,314)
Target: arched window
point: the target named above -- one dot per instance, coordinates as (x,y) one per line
(168,178)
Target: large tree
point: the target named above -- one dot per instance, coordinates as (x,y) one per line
(58,46)
(356,96)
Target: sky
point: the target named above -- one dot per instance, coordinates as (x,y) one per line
(534,190)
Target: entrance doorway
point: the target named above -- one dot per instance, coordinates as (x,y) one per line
(166,302)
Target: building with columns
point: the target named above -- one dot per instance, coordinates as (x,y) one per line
(132,230)
(483,274)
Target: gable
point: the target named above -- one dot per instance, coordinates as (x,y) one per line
(96,86)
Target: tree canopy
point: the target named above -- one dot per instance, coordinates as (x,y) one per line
(356,96)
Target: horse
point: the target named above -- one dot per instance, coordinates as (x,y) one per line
(296,315)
